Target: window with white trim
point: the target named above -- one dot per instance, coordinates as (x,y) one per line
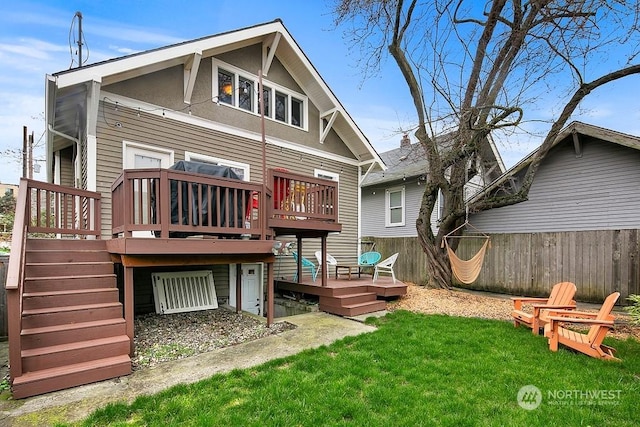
(241,169)
(237,88)
(319,173)
(394,207)
(440,206)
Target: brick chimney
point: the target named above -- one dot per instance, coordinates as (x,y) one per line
(405,141)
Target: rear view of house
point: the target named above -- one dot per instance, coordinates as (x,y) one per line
(174,176)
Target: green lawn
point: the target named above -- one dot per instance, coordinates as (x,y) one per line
(415,370)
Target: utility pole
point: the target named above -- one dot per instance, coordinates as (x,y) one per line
(31,155)
(79,15)
(24,151)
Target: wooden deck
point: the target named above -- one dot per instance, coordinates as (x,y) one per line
(359,295)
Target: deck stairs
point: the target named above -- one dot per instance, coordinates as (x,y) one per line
(348,298)
(72,326)
(352,301)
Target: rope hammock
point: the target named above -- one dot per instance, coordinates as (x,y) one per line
(466,271)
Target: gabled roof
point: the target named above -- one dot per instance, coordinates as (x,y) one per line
(573,130)
(276,41)
(410,161)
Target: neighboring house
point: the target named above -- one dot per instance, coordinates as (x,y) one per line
(8,189)
(391,198)
(117,132)
(580,223)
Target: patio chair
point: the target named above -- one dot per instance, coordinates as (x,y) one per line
(305,264)
(560,298)
(589,343)
(386,266)
(330,261)
(368,260)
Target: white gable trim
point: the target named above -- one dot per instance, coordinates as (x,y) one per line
(190,73)
(159,59)
(269,52)
(333,113)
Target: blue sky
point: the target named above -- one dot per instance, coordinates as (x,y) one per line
(35,41)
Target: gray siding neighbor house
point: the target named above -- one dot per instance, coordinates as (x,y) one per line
(579,224)
(391,198)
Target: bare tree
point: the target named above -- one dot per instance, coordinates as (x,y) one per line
(472,68)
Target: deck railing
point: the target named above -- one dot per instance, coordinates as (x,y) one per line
(300,197)
(172,203)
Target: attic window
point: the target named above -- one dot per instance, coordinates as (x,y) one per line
(236,88)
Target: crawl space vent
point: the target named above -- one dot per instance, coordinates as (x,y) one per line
(177,292)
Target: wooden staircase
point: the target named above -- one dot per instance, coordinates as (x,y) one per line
(348,297)
(352,301)
(72,325)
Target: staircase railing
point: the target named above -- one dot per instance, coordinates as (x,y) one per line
(48,210)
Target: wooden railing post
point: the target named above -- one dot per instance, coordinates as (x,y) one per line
(15,276)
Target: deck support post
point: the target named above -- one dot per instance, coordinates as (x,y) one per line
(270,291)
(299,248)
(128,306)
(238,288)
(323,262)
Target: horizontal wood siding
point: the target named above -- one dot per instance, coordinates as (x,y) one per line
(599,262)
(374,210)
(597,191)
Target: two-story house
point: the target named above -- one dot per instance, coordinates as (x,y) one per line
(176,178)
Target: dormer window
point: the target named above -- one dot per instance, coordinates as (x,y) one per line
(236,88)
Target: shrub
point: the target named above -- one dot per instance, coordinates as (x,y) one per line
(634,309)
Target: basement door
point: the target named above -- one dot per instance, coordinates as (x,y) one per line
(252,289)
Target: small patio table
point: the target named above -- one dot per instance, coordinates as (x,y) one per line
(350,268)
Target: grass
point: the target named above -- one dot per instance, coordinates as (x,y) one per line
(415,370)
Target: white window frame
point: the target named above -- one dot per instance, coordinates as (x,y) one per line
(191,156)
(129,149)
(440,206)
(388,207)
(321,173)
(238,73)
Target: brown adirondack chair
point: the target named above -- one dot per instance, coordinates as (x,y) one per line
(561,297)
(589,343)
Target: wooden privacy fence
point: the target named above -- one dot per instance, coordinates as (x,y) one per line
(598,262)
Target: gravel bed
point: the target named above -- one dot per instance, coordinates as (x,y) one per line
(163,337)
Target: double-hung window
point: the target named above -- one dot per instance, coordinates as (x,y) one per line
(394,207)
(236,88)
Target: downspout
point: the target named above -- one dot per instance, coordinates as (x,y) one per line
(63,135)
